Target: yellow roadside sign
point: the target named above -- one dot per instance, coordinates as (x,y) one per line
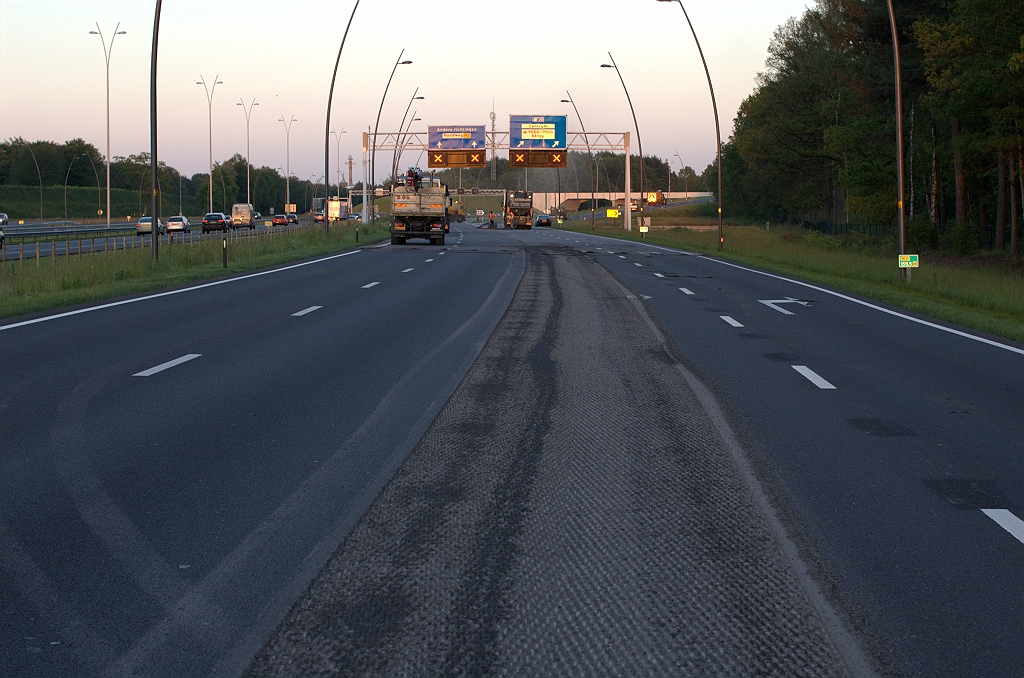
(613,214)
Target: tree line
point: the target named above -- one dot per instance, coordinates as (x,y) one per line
(815,141)
(79,164)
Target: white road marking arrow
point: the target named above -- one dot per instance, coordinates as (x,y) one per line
(771,303)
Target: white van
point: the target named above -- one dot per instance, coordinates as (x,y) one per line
(243,214)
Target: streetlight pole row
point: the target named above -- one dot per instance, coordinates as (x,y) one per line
(376,126)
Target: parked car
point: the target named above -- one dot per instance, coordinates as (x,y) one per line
(280,220)
(293,218)
(145,225)
(3,219)
(543,220)
(216,221)
(179,223)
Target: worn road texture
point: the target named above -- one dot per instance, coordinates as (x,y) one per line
(572,511)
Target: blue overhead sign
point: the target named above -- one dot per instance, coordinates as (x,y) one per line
(536,131)
(455,137)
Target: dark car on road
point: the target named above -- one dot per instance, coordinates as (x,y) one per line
(216,221)
(3,219)
(543,220)
(293,218)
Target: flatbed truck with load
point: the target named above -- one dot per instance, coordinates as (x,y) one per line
(518,209)
(419,208)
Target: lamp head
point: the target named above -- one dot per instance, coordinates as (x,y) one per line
(417,98)
(607,66)
(120,33)
(404,63)
(566,101)
(93,33)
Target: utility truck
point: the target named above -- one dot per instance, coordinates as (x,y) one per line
(419,208)
(518,209)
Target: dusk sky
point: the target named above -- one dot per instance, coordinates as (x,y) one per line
(523,55)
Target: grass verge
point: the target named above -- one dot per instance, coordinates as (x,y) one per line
(985,292)
(26,288)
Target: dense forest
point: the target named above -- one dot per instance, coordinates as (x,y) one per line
(815,142)
(78,164)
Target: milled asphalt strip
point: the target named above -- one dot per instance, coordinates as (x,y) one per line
(856,659)
(813,377)
(167,294)
(306,310)
(1007,521)
(167,365)
(904,316)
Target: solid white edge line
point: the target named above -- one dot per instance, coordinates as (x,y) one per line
(366,287)
(731,321)
(167,365)
(306,310)
(897,314)
(1009,522)
(813,377)
(167,294)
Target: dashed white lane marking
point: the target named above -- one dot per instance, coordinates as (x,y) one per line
(660,275)
(637,263)
(167,365)
(685,291)
(306,310)
(621,257)
(813,377)
(441,254)
(731,321)
(429,260)
(366,287)
(407,270)
(1007,521)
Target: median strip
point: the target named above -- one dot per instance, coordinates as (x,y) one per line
(813,377)
(167,365)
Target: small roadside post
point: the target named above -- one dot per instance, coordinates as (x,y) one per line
(909,262)
(3,252)
(224,243)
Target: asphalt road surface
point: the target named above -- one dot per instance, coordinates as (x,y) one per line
(532,452)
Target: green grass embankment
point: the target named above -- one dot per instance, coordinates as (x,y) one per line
(984,292)
(26,287)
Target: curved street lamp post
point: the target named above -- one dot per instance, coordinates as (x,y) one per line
(592,172)
(209,104)
(287,159)
(718,129)
(330,100)
(248,163)
(639,143)
(106,58)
